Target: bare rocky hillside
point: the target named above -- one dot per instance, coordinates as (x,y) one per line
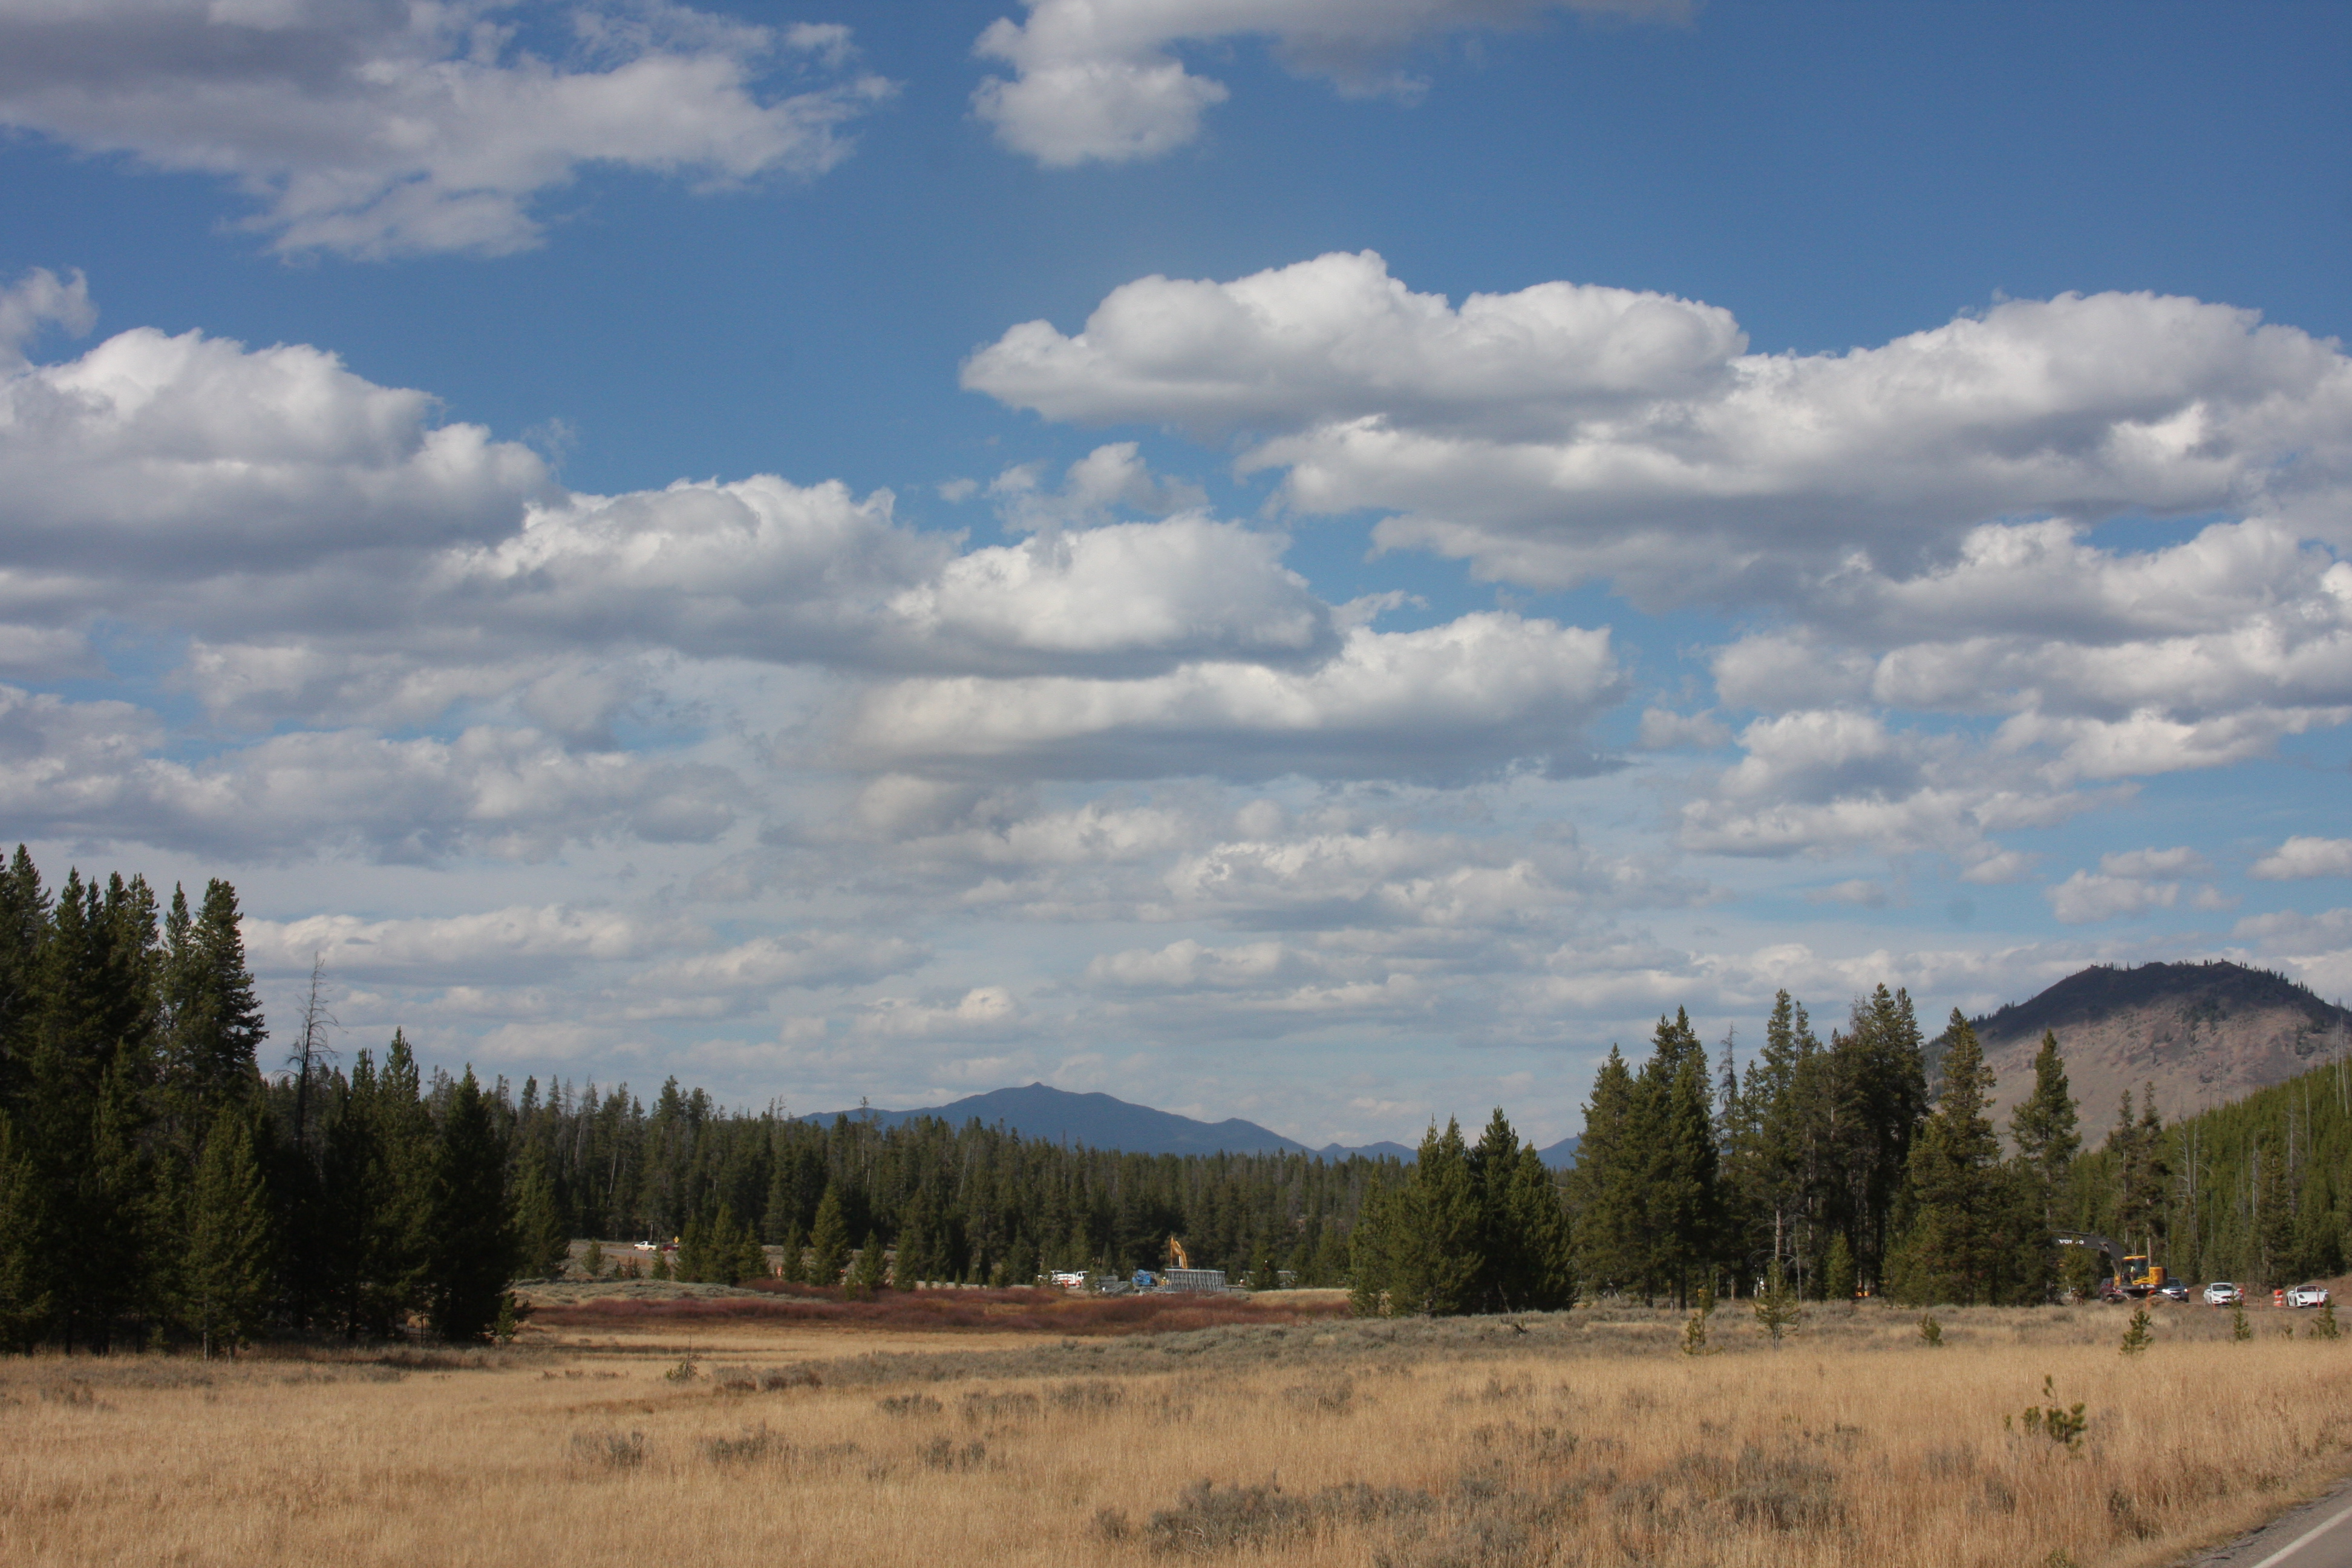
(2202,1033)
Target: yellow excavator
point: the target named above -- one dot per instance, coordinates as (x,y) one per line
(2132,1275)
(1176,1256)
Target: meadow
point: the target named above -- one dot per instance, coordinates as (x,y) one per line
(1576,1438)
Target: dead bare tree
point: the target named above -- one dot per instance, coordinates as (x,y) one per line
(310,1048)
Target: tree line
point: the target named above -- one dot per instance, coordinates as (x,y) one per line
(154,1188)
(160,1183)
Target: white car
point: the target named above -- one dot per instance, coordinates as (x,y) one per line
(2306,1296)
(2224,1293)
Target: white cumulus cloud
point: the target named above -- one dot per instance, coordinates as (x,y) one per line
(419,126)
(2303,855)
(1567,432)
(1099,80)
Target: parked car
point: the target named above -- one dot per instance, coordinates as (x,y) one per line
(2306,1296)
(2224,1293)
(2174,1289)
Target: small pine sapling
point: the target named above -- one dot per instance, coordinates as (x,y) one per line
(1931,1332)
(2323,1327)
(2062,1426)
(2239,1329)
(591,1262)
(1775,1305)
(2136,1338)
(1695,1334)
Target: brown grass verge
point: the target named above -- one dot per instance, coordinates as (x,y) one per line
(1578,1439)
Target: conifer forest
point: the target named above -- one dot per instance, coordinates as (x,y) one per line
(174,1170)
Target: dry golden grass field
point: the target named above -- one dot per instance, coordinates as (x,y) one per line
(1585,1437)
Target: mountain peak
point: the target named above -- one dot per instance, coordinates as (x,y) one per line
(2202,1032)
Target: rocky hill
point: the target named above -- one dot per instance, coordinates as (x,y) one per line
(2202,1033)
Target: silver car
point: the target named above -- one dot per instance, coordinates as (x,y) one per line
(2224,1293)
(2306,1296)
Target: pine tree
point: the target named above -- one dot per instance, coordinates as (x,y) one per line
(231,1244)
(1837,1270)
(866,1275)
(24,933)
(1369,1264)
(1437,1256)
(795,1246)
(2046,1128)
(1678,1197)
(544,1242)
(2144,1175)
(829,1240)
(473,1245)
(1523,1230)
(1604,1187)
(1954,1249)
(24,1300)
(215,1024)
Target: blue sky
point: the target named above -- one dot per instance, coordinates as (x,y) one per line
(1314,561)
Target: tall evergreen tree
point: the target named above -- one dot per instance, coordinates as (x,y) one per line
(2046,1128)
(543,1244)
(230,1255)
(829,1240)
(215,1026)
(24,1300)
(1604,1187)
(24,933)
(2143,1173)
(1423,1251)
(473,1247)
(1955,1248)
(1678,1195)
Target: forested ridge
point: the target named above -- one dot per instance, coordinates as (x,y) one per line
(168,1173)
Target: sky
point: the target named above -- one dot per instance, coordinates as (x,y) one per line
(1315,560)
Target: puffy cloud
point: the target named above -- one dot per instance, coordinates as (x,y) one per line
(499,945)
(2088,896)
(37,300)
(2128,884)
(2292,930)
(337,550)
(2305,856)
(2109,664)
(1452,701)
(1097,80)
(1567,432)
(1336,340)
(411,126)
(1378,878)
(89,769)
(1113,475)
(1662,731)
(777,963)
(985,1012)
(174,459)
(1820,780)
(1187,587)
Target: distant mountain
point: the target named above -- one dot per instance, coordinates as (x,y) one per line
(2204,1034)
(1100,1121)
(1559,1156)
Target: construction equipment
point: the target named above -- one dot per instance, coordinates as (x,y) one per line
(2131,1275)
(1176,1256)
